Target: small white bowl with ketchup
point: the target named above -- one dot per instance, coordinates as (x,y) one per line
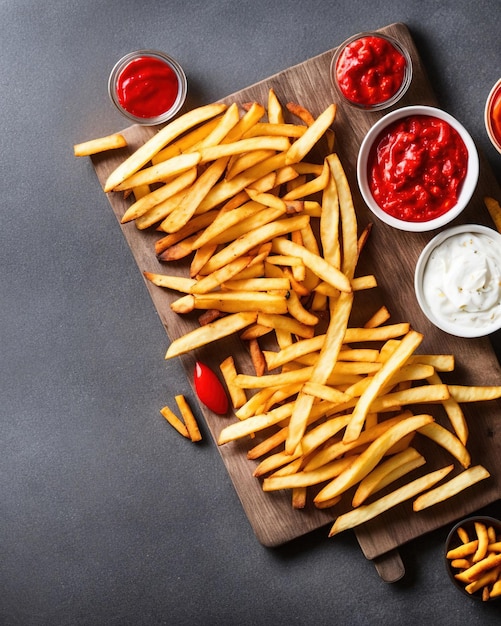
(147,86)
(417,168)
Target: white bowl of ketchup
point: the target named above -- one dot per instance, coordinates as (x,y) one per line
(417,168)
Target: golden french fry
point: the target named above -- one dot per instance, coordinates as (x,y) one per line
(348,217)
(454,412)
(302,146)
(324,270)
(366,512)
(189,418)
(465,549)
(174,421)
(155,203)
(381,316)
(235,302)
(101,144)
(210,332)
(387,472)
(462,393)
(372,455)
(212,281)
(275,113)
(468,477)
(256,237)
(310,187)
(406,347)
(448,441)
(142,155)
(160,172)
(229,372)
(285,130)
(194,196)
(212,153)
(187,141)
(483,542)
(177,283)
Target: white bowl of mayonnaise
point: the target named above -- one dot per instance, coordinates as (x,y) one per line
(458,280)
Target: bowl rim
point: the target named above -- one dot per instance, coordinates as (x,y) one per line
(172,63)
(465,522)
(450,328)
(487,117)
(385,104)
(468,186)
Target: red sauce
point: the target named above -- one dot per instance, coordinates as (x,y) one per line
(416,168)
(495,115)
(147,87)
(370,70)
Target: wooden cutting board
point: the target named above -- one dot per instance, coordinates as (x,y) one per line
(391,255)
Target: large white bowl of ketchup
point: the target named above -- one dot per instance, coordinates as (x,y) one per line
(417,168)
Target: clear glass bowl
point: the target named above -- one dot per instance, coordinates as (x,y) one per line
(171,63)
(407,78)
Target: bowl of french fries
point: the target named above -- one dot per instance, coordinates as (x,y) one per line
(473,557)
(417,168)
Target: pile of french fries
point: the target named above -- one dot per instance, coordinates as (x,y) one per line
(476,560)
(270,241)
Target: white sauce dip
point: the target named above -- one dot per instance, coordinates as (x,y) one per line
(462,280)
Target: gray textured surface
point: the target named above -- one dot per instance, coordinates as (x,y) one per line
(107,517)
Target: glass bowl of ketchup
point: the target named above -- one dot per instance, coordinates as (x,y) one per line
(371,71)
(147,86)
(493,115)
(417,168)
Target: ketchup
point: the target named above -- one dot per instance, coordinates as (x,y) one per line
(416,168)
(370,70)
(147,87)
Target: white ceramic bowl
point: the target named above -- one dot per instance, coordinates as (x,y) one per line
(464,326)
(467,188)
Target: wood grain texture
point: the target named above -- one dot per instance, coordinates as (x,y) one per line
(391,255)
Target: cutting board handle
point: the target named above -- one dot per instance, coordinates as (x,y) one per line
(389,566)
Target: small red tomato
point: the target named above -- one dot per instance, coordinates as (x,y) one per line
(209,389)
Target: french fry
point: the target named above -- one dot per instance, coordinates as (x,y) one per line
(155,201)
(305,143)
(275,113)
(316,263)
(177,283)
(169,132)
(194,196)
(101,144)
(189,418)
(372,455)
(366,512)
(465,479)
(209,333)
(260,235)
(174,421)
(448,441)
(257,357)
(407,346)
(229,372)
(160,172)
(387,472)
